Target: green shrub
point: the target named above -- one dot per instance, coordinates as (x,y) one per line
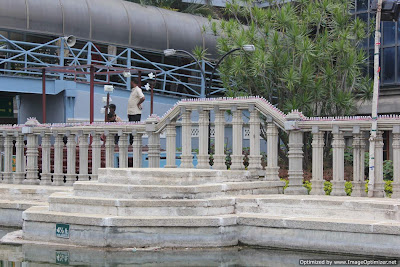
(327,187)
(348,187)
(286,184)
(388,188)
(308,185)
(388,170)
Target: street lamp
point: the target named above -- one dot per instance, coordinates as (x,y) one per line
(107,89)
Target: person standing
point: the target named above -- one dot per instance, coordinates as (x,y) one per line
(135,101)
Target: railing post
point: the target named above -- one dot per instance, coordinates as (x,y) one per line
(1,157)
(32,159)
(396,161)
(8,151)
(19,174)
(255,156)
(358,163)
(338,162)
(295,156)
(379,188)
(123,149)
(58,176)
(154,143)
(272,169)
(137,149)
(219,156)
(186,157)
(317,162)
(96,154)
(109,149)
(203,157)
(70,177)
(83,156)
(171,143)
(237,137)
(45,178)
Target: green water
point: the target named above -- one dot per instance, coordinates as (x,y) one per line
(38,255)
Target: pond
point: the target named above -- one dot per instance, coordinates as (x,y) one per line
(44,255)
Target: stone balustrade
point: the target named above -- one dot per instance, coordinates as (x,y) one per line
(48,154)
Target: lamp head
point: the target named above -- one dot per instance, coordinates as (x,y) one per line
(249,48)
(108,88)
(169,52)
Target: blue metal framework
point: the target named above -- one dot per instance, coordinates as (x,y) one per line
(182,81)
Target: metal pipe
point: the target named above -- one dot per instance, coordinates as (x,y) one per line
(91,94)
(44,95)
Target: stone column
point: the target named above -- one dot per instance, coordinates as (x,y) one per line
(32,154)
(154,143)
(203,157)
(96,155)
(84,156)
(295,164)
(186,157)
(219,156)
(396,161)
(171,144)
(109,149)
(379,187)
(272,169)
(8,153)
(137,149)
(1,157)
(338,163)
(58,176)
(317,162)
(45,178)
(237,140)
(123,150)
(358,163)
(70,177)
(19,174)
(255,156)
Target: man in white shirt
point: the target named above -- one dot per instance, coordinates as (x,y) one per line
(135,101)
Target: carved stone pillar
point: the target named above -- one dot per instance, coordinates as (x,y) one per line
(32,154)
(272,169)
(204,157)
(1,157)
(45,178)
(154,143)
(379,187)
(295,164)
(219,156)
(123,150)
(396,162)
(137,150)
(237,146)
(358,164)
(19,174)
(96,155)
(255,156)
(338,163)
(70,177)
(171,144)
(58,176)
(186,157)
(84,157)
(8,150)
(109,149)
(317,162)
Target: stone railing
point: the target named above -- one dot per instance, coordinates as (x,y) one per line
(44,145)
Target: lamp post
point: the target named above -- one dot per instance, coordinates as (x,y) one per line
(108,89)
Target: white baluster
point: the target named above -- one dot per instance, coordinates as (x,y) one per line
(186,157)
(32,154)
(338,163)
(358,165)
(70,177)
(8,150)
(1,157)
(379,188)
(96,155)
(396,161)
(272,169)
(317,162)
(171,144)
(137,149)
(153,144)
(109,149)
(58,176)
(123,150)
(219,156)
(255,156)
(45,178)
(19,174)
(295,164)
(203,157)
(237,143)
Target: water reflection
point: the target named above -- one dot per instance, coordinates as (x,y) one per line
(39,255)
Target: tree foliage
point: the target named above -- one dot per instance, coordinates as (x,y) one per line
(306,57)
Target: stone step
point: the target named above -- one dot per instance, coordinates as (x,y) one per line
(320,206)
(11,211)
(30,192)
(173,176)
(105,190)
(67,202)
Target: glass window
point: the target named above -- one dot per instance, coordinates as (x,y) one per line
(389,66)
(389,32)
(362,5)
